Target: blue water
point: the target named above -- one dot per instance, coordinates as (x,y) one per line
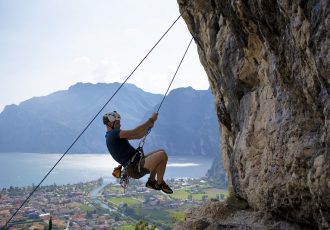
(95,193)
(24,169)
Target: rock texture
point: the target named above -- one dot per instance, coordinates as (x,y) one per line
(268,65)
(217,215)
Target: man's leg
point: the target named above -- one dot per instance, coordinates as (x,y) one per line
(156,162)
(152,176)
(152,173)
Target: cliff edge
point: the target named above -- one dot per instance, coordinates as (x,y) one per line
(268,64)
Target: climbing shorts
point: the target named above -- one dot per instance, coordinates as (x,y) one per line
(133,171)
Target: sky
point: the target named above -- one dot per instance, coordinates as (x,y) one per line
(46,46)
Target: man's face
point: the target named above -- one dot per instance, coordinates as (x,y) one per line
(116,124)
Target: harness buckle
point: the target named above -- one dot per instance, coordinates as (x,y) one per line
(120,171)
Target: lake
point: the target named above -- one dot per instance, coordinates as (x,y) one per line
(25,169)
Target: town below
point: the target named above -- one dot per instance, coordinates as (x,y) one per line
(102,205)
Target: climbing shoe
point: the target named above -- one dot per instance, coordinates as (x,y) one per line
(152,184)
(164,187)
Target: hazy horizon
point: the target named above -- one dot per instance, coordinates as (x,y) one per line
(161,93)
(50,45)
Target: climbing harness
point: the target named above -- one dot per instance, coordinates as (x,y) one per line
(92,120)
(120,172)
(124,177)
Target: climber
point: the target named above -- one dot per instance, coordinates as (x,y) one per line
(124,153)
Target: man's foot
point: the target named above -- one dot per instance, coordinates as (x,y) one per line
(164,187)
(152,184)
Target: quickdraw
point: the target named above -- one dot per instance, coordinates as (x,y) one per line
(120,171)
(124,180)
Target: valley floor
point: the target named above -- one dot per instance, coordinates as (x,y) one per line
(94,205)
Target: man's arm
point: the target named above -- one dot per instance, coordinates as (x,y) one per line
(139,131)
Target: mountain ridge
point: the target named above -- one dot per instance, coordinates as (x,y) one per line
(49,124)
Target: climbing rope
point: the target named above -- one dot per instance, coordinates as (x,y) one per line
(124,179)
(68,149)
(177,69)
(168,88)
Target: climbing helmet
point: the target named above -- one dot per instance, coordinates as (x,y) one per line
(111,117)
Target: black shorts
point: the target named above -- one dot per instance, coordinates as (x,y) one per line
(132,169)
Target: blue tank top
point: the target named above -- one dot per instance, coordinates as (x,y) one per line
(120,149)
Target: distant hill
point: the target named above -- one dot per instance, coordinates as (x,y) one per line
(217,172)
(49,124)
(187,124)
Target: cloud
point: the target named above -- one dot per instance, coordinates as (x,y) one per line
(132,32)
(182,164)
(151,81)
(106,71)
(82,69)
(153,76)
(82,60)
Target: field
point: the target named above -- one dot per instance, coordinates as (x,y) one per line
(114,189)
(154,214)
(192,194)
(125,200)
(160,209)
(180,194)
(86,208)
(127,227)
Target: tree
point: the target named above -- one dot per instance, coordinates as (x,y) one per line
(141,225)
(222,196)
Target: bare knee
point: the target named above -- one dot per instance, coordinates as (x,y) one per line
(159,154)
(164,155)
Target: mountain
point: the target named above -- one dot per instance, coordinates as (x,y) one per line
(217,172)
(186,124)
(50,124)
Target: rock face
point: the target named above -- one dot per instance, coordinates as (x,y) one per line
(268,64)
(216,215)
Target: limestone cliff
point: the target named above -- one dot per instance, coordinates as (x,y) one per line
(268,65)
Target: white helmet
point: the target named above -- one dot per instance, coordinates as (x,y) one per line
(111,117)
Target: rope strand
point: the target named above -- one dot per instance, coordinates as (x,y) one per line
(175,74)
(168,88)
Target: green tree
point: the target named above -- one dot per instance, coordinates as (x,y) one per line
(141,225)
(222,196)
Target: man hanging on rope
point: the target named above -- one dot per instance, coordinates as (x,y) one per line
(125,154)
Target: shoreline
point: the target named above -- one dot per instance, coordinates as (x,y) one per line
(25,169)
